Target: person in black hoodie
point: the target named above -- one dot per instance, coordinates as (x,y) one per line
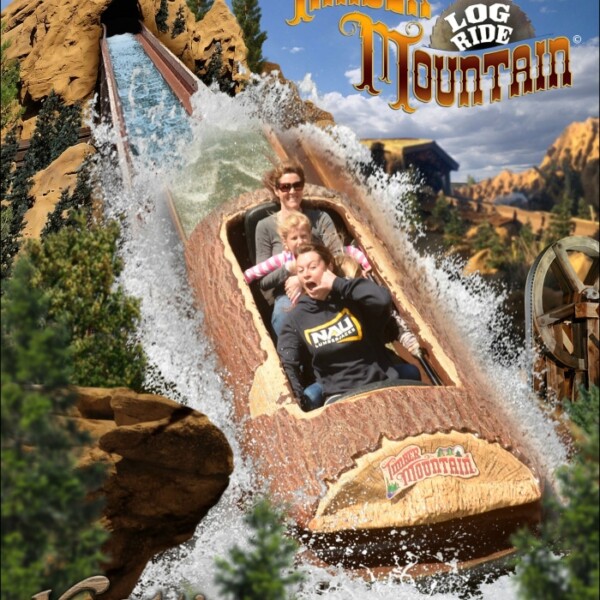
(339,324)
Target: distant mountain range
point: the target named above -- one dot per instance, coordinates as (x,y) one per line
(570,164)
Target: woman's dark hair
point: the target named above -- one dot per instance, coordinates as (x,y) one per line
(271,178)
(324,252)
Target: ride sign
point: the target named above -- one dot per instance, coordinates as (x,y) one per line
(411,465)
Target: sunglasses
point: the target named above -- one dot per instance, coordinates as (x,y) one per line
(286,187)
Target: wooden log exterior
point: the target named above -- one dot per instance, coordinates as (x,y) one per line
(410,456)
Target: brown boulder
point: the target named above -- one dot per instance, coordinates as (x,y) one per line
(167,466)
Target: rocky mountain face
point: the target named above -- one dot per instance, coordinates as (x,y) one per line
(167,465)
(57,42)
(575,150)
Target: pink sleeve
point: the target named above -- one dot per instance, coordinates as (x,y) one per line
(359,256)
(267,266)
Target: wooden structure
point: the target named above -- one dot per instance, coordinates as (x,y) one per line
(562,316)
(398,154)
(420,476)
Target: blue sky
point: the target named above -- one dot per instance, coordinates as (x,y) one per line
(512,134)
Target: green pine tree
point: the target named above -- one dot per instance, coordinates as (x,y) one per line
(162,14)
(440,214)
(9,85)
(56,128)
(199,8)
(454,229)
(50,535)
(178,23)
(563,561)
(248,14)
(17,203)
(8,153)
(80,200)
(561,223)
(57,219)
(215,71)
(583,209)
(78,267)
(262,572)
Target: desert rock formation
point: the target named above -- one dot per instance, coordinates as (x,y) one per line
(167,466)
(57,42)
(576,148)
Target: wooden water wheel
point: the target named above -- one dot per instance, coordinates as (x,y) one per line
(561,317)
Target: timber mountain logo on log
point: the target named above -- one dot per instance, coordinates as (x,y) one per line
(476,26)
(411,466)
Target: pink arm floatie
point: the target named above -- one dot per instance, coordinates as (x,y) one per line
(358,256)
(278,260)
(267,266)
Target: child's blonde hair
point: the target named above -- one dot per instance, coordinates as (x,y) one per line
(349,266)
(295,220)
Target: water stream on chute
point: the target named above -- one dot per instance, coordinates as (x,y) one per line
(216,155)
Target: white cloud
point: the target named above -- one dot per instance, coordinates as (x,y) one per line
(293,49)
(308,88)
(512,134)
(353,75)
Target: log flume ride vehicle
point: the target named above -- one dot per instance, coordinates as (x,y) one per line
(413,477)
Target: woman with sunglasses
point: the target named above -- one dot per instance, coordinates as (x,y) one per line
(286,182)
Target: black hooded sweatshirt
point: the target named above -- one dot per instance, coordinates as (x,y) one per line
(342,334)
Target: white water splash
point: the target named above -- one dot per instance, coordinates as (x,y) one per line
(171,332)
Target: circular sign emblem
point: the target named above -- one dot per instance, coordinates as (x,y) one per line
(472,25)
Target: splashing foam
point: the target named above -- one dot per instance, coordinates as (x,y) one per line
(183,365)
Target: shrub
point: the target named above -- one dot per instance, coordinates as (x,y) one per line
(563,561)
(50,537)
(261,573)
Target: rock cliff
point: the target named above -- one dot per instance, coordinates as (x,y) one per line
(167,465)
(57,42)
(576,149)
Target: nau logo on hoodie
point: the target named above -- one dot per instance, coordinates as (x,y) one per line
(344,327)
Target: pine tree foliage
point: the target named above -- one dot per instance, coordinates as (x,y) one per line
(8,152)
(454,229)
(178,23)
(561,223)
(216,73)
(50,535)
(488,237)
(162,14)
(263,571)
(441,213)
(56,129)
(17,202)
(199,8)
(9,85)
(80,200)
(78,267)
(562,563)
(248,14)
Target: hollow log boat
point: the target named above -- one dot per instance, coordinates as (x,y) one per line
(422,477)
